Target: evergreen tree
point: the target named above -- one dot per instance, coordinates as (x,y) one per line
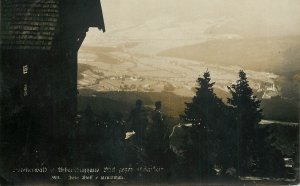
(204,113)
(247,115)
(205,104)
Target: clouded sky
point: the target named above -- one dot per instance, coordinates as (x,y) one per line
(246,17)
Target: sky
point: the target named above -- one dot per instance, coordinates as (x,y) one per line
(243,17)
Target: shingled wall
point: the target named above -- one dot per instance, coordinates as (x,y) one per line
(29,24)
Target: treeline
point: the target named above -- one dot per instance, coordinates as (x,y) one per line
(225,138)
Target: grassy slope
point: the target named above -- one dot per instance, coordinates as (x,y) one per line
(172,104)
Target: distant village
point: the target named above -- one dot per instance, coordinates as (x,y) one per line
(97,80)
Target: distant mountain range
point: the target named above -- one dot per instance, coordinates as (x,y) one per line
(273,54)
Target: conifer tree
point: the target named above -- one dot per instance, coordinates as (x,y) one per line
(247,115)
(204,113)
(205,104)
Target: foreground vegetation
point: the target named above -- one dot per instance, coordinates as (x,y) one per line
(210,140)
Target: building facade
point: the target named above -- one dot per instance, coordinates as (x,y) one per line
(40,40)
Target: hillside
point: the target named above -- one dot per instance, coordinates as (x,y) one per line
(123,102)
(173,105)
(273,54)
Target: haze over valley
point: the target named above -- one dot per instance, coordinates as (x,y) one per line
(156,46)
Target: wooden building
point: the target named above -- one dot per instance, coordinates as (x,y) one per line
(39,46)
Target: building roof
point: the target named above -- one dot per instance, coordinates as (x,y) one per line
(29,24)
(34,24)
(87,13)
